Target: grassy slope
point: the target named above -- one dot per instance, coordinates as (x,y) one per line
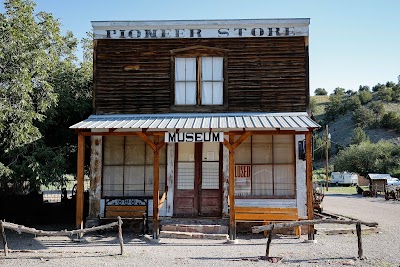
(342,129)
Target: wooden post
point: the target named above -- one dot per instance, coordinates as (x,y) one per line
(156,189)
(326,159)
(79,180)
(3,238)
(360,249)
(232,221)
(269,242)
(309,185)
(121,240)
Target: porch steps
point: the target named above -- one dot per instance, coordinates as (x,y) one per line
(194,229)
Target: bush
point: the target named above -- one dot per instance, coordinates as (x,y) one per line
(364,117)
(320,91)
(391,120)
(365,97)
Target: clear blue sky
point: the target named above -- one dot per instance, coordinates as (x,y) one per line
(352,42)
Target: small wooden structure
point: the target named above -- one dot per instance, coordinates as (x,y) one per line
(377,182)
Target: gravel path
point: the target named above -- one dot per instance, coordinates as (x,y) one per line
(330,250)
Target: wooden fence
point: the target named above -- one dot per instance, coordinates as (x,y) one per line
(80,232)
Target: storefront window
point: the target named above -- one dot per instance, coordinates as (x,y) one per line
(264,166)
(128,167)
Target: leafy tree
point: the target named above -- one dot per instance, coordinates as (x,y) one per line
(339,91)
(364,117)
(378,109)
(390,84)
(385,94)
(40,87)
(366,157)
(378,87)
(391,120)
(320,91)
(365,96)
(364,88)
(351,103)
(359,136)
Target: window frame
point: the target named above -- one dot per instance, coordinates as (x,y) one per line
(199,52)
(124,164)
(272,164)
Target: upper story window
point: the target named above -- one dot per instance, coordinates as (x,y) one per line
(199,76)
(199,81)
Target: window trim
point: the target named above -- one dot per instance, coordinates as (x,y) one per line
(199,52)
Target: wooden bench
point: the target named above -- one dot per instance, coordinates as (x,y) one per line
(267,215)
(127,209)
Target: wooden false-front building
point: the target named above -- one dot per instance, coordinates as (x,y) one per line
(200,118)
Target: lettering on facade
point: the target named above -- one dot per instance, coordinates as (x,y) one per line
(198,33)
(194,137)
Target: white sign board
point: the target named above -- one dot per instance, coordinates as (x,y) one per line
(199,29)
(194,137)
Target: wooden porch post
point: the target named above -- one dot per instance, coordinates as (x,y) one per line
(156,189)
(232,221)
(79,180)
(309,185)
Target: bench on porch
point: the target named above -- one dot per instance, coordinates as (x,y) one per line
(267,215)
(128,209)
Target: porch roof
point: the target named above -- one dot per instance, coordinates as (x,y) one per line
(298,121)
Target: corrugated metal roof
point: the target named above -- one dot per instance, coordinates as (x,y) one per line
(379,176)
(231,121)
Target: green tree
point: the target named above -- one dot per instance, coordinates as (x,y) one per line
(366,157)
(391,120)
(378,87)
(385,94)
(320,91)
(364,88)
(364,117)
(365,96)
(359,136)
(38,71)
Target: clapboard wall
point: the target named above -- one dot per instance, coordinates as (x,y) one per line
(263,74)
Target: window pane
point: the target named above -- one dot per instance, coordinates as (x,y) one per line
(113,180)
(191,93)
(191,69)
(210,151)
(206,93)
(149,180)
(218,93)
(217,69)
(243,152)
(283,153)
(207,68)
(134,180)
(262,180)
(284,180)
(185,175)
(113,150)
(180,69)
(262,149)
(186,151)
(210,175)
(134,150)
(180,95)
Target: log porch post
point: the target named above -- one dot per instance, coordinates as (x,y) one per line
(156,189)
(232,145)
(309,185)
(79,180)
(232,221)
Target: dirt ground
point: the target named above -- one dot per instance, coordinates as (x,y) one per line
(380,249)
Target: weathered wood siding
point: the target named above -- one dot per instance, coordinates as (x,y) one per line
(264,74)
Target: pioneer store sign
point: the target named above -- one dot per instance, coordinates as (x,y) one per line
(200,29)
(194,137)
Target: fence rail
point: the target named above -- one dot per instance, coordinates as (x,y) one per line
(80,232)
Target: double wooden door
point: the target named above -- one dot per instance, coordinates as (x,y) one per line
(197,189)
